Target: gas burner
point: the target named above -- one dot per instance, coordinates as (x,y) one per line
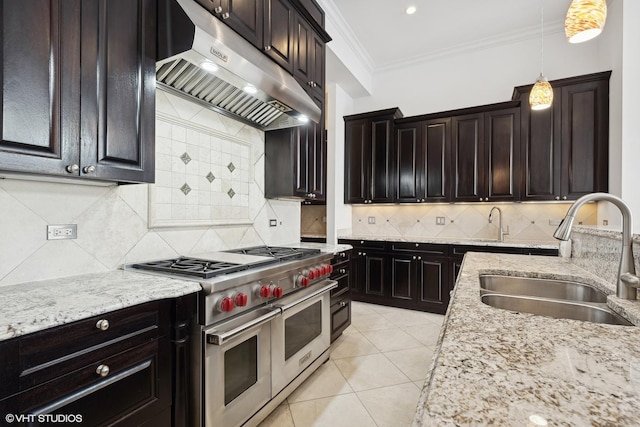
(280,253)
(201,268)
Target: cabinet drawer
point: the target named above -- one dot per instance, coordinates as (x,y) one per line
(131,386)
(343,286)
(340,317)
(50,353)
(426,248)
(366,244)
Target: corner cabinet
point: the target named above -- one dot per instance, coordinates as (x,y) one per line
(369,165)
(565,148)
(78,89)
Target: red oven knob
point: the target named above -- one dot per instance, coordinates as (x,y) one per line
(311,273)
(276,291)
(329,269)
(225,304)
(319,272)
(302,281)
(264,291)
(241,300)
(325,269)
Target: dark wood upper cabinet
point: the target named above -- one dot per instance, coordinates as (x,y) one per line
(279,33)
(244,16)
(502,154)
(422,160)
(369,164)
(565,148)
(468,160)
(309,57)
(78,89)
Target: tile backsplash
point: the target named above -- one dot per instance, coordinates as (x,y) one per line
(526,221)
(113,221)
(313,220)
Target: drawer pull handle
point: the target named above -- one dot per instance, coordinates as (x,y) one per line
(102,324)
(342,271)
(102,370)
(343,304)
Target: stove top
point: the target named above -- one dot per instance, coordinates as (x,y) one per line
(215,264)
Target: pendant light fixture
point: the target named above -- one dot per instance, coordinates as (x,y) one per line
(541,95)
(585,20)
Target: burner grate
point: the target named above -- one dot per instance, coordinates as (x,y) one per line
(280,253)
(201,268)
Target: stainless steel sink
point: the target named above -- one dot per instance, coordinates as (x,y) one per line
(590,312)
(545,288)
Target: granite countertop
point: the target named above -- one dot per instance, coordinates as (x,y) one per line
(534,244)
(498,367)
(324,247)
(31,307)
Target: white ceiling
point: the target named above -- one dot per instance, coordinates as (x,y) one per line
(391,38)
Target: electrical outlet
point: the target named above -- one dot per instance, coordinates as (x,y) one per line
(605,222)
(371,219)
(62,231)
(273,223)
(440,220)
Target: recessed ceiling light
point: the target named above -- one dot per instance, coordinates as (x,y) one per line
(209,66)
(411,10)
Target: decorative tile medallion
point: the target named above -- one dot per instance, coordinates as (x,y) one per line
(231,193)
(231,167)
(185,158)
(185,189)
(210,177)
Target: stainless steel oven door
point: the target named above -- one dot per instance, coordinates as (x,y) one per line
(237,368)
(301,334)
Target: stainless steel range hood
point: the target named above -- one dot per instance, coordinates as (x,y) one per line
(203,59)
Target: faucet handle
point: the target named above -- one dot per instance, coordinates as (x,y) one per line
(630,280)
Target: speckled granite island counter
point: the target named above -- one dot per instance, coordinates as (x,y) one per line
(31,307)
(497,367)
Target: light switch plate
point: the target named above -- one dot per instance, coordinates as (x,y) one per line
(440,220)
(371,219)
(273,223)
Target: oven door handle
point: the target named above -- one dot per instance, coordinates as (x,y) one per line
(220,338)
(332,284)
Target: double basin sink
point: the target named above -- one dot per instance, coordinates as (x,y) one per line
(548,297)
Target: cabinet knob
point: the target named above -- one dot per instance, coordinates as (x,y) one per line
(423,200)
(419,258)
(102,324)
(564,197)
(218,9)
(267,48)
(102,370)
(89,169)
(480,198)
(364,253)
(417,245)
(557,197)
(225,15)
(342,271)
(486,199)
(414,257)
(343,304)
(72,168)
(343,255)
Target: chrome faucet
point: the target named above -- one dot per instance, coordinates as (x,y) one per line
(628,282)
(501,232)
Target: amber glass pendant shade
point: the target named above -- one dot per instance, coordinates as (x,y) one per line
(585,20)
(541,95)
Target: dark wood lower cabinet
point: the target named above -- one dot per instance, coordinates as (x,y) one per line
(341,296)
(418,276)
(122,373)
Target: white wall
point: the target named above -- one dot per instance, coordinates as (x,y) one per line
(481,76)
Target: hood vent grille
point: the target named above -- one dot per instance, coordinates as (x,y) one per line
(185,77)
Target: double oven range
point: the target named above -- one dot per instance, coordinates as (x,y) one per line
(263,327)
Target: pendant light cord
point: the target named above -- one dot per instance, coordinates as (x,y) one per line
(542,37)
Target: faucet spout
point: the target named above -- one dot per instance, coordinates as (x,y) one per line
(627,270)
(501,231)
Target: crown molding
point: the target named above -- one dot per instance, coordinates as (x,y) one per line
(332,13)
(517,36)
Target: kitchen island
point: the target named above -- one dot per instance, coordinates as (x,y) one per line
(498,367)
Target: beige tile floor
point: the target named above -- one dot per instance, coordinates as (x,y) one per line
(375,374)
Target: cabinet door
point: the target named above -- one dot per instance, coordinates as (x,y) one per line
(301,160)
(40,93)
(246,17)
(374,280)
(585,159)
(409,161)
(118,90)
(381,152)
(317,148)
(303,34)
(318,54)
(501,150)
(540,150)
(435,158)
(357,160)
(279,33)
(433,284)
(403,277)
(467,158)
